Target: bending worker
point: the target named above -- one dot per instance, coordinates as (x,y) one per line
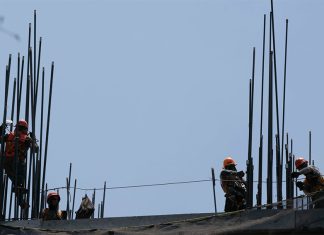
(313,185)
(233,185)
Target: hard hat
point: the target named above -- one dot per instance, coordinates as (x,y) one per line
(22,123)
(300,161)
(53,195)
(228,161)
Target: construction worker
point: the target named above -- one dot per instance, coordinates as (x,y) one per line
(86,209)
(53,212)
(25,140)
(313,185)
(233,185)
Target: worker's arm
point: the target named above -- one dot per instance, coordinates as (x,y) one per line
(5,137)
(235,173)
(31,143)
(306,170)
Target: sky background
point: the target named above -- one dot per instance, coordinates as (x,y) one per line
(157,91)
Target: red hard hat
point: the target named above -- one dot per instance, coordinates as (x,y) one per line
(53,195)
(23,123)
(228,161)
(300,161)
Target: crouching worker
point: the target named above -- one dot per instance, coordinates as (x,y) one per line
(86,209)
(53,212)
(233,185)
(313,185)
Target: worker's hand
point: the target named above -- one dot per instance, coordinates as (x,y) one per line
(32,135)
(300,185)
(295,174)
(240,174)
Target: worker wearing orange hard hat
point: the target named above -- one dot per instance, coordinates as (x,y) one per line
(233,185)
(313,185)
(53,212)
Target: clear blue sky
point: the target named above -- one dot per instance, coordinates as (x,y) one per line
(157,91)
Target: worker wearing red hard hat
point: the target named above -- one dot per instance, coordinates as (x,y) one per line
(17,143)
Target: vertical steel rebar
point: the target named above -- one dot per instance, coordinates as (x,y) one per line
(310,148)
(284,89)
(47,128)
(31,155)
(103,201)
(34,50)
(270,148)
(69,193)
(214,193)
(250,159)
(93,201)
(41,193)
(67,198)
(73,202)
(2,139)
(259,194)
(12,118)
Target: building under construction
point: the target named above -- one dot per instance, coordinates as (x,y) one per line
(288,213)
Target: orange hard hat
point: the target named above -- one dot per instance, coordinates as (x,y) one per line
(53,195)
(228,161)
(22,123)
(300,161)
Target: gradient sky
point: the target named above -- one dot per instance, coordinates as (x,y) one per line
(157,91)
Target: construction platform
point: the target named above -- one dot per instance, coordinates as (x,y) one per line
(243,222)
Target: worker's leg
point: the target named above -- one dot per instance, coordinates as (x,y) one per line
(9,166)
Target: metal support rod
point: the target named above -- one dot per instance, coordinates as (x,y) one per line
(292,156)
(47,128)
(13,102)
(284,90)
(99,210)
(270,148)
(103,201)
(68,192)
(214,193)
(259,194)
(5,191)
(10,205)
(73,202)
(67,198)
(275,68)
(279,180)
(12,117)
(310,148)
(250,159)
(19,91)
(28,57)
(31,155)
(45,195)
(38,67)
(93,201)
(2,139)
(41,145)
(34,51)
(288,175)
(20,86)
